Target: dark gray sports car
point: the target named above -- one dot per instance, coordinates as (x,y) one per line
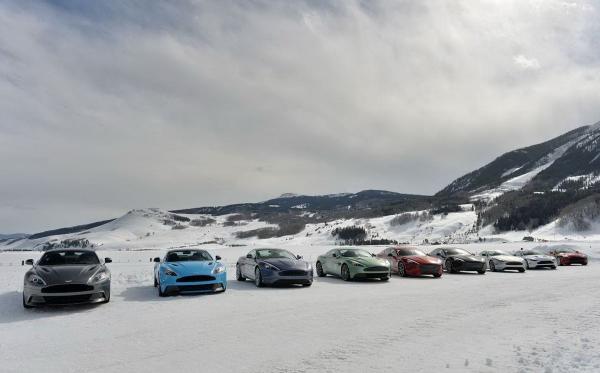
(66,276)
(459,260)
(274,266)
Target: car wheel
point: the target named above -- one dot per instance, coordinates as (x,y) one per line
(492,266)
(161,293)
(401,269)
(553,267)
(345,273)
(386,278)
(25,305)
(107,298)
(521,270)
(238,274)
(449,267)
(437,275)
(258,281)
(155,282)
(320,271)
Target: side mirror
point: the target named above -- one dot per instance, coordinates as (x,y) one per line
(373,255)
(334,255)
(298,257)
(29,262)
(157,260)
(390,254)
(249,256)
(217,257)
(107,260)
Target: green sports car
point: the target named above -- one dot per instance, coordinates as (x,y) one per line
(352,264)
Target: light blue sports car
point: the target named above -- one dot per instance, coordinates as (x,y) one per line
(189,271)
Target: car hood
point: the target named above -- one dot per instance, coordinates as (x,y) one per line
(192,268)
(77,274)
(539,257)
(468,258)
(423,259)
(368,262)
(287,264)
(573,255)
(507,258)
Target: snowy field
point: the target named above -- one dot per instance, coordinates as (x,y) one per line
(539,321)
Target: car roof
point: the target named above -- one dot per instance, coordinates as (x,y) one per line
(69,249)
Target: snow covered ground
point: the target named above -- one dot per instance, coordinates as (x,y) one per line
(539,321)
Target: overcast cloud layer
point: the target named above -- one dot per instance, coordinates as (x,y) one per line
(112,105)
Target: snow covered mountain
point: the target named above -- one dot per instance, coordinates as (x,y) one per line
(569,159)
(546,191)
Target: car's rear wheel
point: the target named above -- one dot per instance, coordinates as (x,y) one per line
(320,271)
(238,274)
(258,281)
(401,269)
(492,266)
(345,273)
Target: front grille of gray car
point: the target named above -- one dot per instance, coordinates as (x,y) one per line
(292,273)
(514,263)
(545,262)
(197,278)
(71,299)
(67,288)
(376,269)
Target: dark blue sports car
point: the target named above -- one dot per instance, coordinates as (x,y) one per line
(275,267)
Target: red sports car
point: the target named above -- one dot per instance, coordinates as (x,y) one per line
(565,256)
(408,261)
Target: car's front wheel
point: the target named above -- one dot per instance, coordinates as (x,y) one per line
(106,297)
(258,281)
(449,267)
(320,271)
(345,273)
(155,282)
(161,293)
(492,266)
(238,273)
(401,269)
(25,305)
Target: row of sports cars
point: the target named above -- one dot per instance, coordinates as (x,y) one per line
(72,276)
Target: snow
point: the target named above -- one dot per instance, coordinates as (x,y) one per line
(539,321)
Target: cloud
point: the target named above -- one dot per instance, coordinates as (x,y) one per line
(114,105)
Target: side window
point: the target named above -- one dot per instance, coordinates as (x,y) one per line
(253,254)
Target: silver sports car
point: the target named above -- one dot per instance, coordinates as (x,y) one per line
(536,259)
(66,276)
(498,260)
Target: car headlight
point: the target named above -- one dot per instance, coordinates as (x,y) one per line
(99,277)
(410,261)
(356,264)
(309,267)
(218,269)
(170,272)
(270,267)
(36,280)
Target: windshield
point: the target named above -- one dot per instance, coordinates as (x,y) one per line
(409,252)
(188,256)
(565,250)
(532,252)
(498,253)
(457,252)
(69,257)
(356,253)
(274,254)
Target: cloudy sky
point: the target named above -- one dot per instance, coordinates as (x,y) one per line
(112,105)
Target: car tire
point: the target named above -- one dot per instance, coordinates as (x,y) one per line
(481,272)
(258,281)
(155,282)
(238,274)
(401,269)
(492,266)
(161,293)
(320,271)
(345,273)
(449,267)
(25,305)
(386,278)
(553,267)
(437,275)
(521,270)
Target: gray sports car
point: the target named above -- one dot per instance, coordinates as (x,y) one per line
(66,276)
(274,266)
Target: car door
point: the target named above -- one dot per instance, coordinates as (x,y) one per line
(249,264)
(392,257)
(485,255)
(331,263)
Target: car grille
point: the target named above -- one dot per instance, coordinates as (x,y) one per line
(376,269)
(292,273)
(207,287)
(369,275)
(197,278)
(514,263)
(68,299)
(545,262)
(578,260)
(67,288)
(429,268)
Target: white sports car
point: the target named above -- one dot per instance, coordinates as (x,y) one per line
(536,259)
(498,260)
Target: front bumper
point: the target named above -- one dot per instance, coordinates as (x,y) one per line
(567,261)
(542,264)
(468,266)
(417,270)
(368,272)
(40,296)
(287,277)
(170,284)
(507,266)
